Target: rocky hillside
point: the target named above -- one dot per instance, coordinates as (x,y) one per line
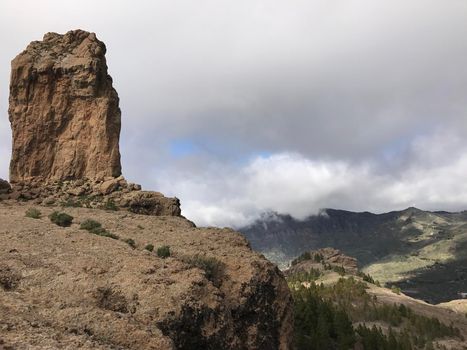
(340,307)
(110,287)
(422,252)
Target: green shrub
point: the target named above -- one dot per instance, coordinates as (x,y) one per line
(95,227)
(110,205)
(140,227)
(90,225)
(212,267)
(131,242)
(299,277)
(61,219)
(110,299)
(302,257)
(163,252)
(339,269)
(149,247)
(108,234)
(396,289)
(33,213)
(318,257)
(366,277)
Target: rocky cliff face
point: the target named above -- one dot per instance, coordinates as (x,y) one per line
(65,122)
(63,111)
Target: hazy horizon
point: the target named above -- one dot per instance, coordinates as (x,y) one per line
(243,107)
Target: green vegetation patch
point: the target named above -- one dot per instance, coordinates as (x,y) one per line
(213,268)
(299,277)
(61,219)
(131,242)
(163,252)
(96,228)
(33,213)
(324,316)
(110,205)
(91,225)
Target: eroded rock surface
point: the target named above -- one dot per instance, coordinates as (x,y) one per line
(67,288)
(63,111)
(110,194)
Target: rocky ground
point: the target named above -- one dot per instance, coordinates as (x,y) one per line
(67,288)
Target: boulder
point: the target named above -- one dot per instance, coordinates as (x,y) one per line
(4,186)
(108,186)
(63,111)
(151,203)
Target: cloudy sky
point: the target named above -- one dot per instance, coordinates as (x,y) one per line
(240,107)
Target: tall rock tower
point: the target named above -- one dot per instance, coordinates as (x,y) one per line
(63,111)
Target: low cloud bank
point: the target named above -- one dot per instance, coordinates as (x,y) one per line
(432,176)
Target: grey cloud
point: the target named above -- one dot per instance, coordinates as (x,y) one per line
(359,83)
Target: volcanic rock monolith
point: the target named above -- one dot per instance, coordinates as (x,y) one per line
(63,111)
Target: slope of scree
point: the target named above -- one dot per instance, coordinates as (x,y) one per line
(65,287)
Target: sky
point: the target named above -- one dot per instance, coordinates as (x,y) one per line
(243,107)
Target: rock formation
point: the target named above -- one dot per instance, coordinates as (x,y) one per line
(65,121)
(67,288)
(4,187)
(63,111)
(322,259)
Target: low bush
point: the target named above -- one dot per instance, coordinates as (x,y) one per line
(95,227)
(149,247)
(303,257)
(163,252)
(33,213)
(109,235)
(90,225)
(9,279)
(110,205)
(110,299)
(61,219)
(131,242)
(212,267)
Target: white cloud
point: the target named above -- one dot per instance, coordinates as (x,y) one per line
(293,184)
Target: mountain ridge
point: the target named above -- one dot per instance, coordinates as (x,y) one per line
(412,248)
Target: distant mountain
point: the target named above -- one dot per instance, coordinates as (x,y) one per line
(424,253)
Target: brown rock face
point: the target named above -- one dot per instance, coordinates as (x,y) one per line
(63,111)
(95,292)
